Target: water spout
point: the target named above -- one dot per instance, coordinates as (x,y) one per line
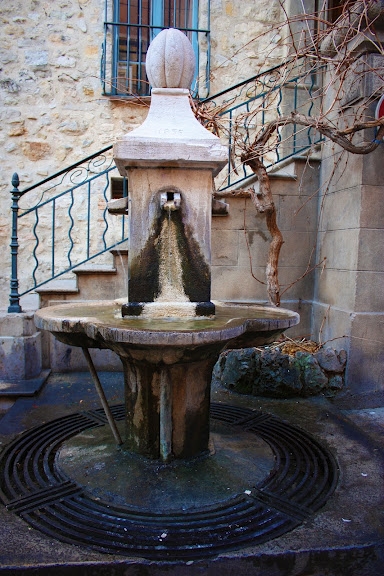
(170,201)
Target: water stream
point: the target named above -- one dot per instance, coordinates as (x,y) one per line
(171,279)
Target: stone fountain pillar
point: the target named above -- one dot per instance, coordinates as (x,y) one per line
(170,162)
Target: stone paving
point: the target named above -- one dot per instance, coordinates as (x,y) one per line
(346,537)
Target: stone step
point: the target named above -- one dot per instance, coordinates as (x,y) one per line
(91,281)
(59,286)
(87,269)
(58,289)
(97,283)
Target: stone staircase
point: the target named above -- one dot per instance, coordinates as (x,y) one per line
(90,282)
(93,281)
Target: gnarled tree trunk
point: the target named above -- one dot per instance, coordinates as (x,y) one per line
(264,204)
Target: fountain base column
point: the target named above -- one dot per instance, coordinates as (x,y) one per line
(167,365)
(167,408)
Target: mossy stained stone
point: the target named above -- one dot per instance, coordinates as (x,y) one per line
(270,373)
(144,281)
(144,271)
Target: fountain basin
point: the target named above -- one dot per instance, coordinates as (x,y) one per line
(167,364)
(101,325)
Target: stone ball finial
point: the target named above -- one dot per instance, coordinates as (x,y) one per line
(170,61)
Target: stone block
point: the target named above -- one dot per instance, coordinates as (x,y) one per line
(17,325)
(364,78)
(296,212)
(295,283)
(337,288)
(237,284)
(30,301)
(298,248)
(369,291)
(283,181)
(240,284)
(372,207)
(331,324)
(366,354)
(340,248)
(97,285)
(341,209)
(372,168)
(370,255)
(241,211)
(308,172)
(346,173)
(225,247)
(254,247)
(20,357)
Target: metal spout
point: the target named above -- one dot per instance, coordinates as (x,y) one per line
(170,201)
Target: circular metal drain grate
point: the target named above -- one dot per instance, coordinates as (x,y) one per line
(34,487)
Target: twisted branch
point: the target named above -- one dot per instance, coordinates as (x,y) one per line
(264,204)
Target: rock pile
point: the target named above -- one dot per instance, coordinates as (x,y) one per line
(282,371)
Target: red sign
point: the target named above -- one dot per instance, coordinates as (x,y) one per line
(380,108)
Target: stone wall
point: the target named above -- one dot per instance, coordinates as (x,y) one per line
(349,293)
(240,244)
(244,40)
(51,104)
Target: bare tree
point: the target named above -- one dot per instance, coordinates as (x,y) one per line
(335,50)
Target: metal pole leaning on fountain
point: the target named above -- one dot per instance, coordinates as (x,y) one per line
(165,409)
(102,396)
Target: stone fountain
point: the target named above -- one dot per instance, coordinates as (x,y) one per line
(189,478)
(169,334)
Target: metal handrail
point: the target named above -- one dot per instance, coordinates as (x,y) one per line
(59,199)
(250,114)
(75,196)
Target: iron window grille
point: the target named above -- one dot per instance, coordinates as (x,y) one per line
(130,26)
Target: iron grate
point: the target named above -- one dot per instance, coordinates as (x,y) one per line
(34,487)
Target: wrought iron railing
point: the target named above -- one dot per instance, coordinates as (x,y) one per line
(248,107)
(63,208)
(56,233)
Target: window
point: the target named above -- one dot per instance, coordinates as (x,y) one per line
(133,26)
(118,188)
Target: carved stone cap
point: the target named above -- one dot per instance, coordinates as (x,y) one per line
(170,61)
